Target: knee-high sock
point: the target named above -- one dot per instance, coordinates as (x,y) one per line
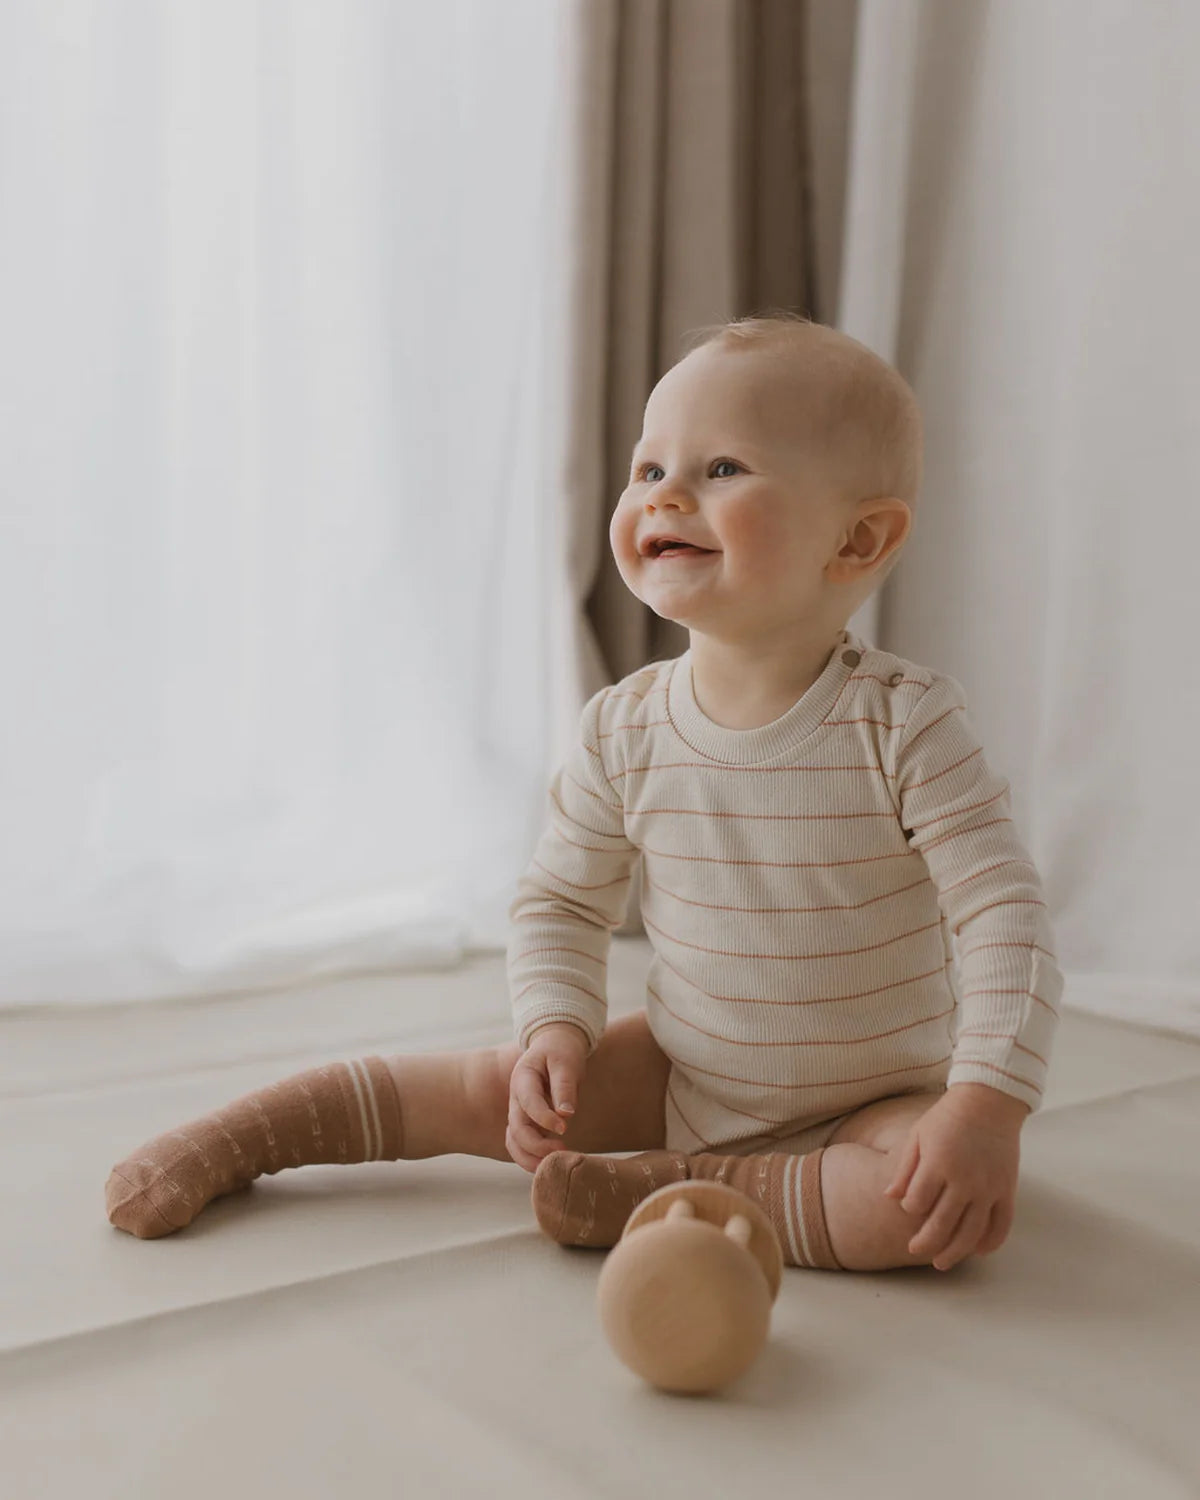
(340,1112)
(587,1200)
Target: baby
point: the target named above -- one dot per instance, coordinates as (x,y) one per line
(815,818)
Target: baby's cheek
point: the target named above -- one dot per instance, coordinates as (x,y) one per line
(759,535)
(622,538)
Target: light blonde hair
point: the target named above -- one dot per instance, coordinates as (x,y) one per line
(868,410)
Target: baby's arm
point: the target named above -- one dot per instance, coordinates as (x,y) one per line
(958,814)
(956,1175)
(572,895)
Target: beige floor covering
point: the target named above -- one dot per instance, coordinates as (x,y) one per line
(404,1328)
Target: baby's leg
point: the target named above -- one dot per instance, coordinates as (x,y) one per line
(340,1112)
(825,1200)
(375,1109)
(460,1101)
(868,1231)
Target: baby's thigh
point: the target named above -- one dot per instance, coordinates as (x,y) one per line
(622,1096)
(884,1123)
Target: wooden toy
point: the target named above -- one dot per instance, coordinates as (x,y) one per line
(685,1295)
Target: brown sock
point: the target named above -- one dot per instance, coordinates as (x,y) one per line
(587,1200)
(341,1112)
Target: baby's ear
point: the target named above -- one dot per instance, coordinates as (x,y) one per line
(875,538)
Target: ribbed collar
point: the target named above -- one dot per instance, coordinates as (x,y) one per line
(743,747)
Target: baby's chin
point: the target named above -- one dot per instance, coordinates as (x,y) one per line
(692,605)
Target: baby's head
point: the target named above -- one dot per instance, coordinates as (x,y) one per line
(793,455)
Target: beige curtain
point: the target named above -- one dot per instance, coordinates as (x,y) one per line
(693,207)
(694,183)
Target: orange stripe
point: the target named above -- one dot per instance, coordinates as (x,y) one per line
(567,984)
(958,812)
(987,870)
(1006,901)
(958,707)
(1032,947)
(524,953)
(575,885)
(824,1083)
(978,1062)
(957,833)
(615,807)
(776,864)
(779,910)
(684,1118)
(593,848)
(574,821)
(785,1125)
(852,1041)
(795,957)
(1031,996)
(705,812)
(822,1000)
(1006,1036)
(648,724)
(912,785)
(629,693)
(722,767)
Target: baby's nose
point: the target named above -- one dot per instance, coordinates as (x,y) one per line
(675,495)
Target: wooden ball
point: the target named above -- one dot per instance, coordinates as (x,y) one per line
(685,1296)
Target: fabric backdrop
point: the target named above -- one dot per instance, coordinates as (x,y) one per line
(1041,295)
(281,291)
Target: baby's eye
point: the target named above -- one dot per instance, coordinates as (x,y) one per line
(643,471)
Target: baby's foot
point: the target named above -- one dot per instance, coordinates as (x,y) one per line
(587,1200)
(342,1112)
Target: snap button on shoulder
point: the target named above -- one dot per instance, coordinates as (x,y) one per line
(851,658)
(895,679)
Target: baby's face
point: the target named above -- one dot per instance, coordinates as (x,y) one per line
(728,461)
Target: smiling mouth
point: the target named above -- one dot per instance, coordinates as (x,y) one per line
(678,549)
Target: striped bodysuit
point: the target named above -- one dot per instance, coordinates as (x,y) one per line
(803,888)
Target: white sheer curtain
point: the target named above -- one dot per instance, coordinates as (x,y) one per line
(1048,316)
(279,397)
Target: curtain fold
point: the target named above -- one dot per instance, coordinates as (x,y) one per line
(698,209)
(1046,315)
(280,403)
(326,347)
(696,205)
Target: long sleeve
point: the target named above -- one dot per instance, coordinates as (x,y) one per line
(572,895)
(957,813)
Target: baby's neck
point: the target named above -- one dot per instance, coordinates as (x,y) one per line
(740,687)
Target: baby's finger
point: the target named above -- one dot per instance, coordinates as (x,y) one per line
(563,1084)
(528,1085)
(519,1154)
(970,1230)
(936,1232)
(997,1230)
(530,1138)
(909,1159)
(922,1192)
(529,1130)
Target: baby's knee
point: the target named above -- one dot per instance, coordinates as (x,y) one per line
(868,1231)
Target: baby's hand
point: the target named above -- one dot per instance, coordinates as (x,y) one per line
(957,1174)
(545,1080)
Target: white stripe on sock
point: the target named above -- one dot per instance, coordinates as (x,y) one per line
(795,1213)
(362,1108)
(374,1098)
